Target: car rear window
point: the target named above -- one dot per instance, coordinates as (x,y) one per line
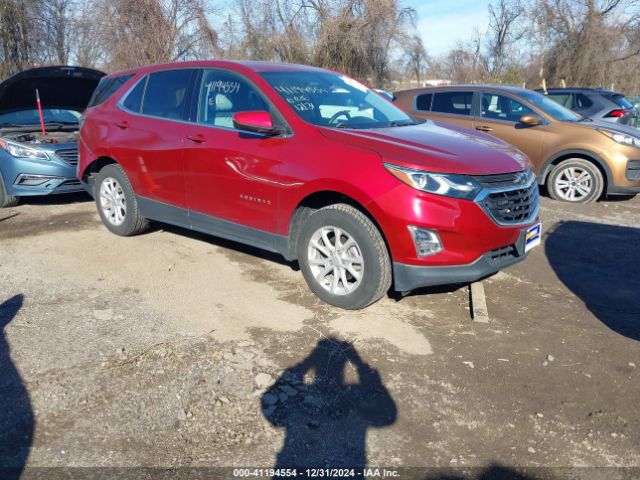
(621,101)
(423,102)
(107,87)
(166,94)
(452,102)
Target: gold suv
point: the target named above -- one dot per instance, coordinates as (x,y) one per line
(578,158)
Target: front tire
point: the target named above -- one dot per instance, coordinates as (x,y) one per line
(343,257)
(116,202)
(576,181)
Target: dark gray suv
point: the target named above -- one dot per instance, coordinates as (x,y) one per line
(596,103)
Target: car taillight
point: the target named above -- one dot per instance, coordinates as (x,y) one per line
(617,113)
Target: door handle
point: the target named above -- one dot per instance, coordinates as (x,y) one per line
(484,128)
(123,124)
(197,138)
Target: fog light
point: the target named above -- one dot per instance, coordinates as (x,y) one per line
(33,180)
(427,242)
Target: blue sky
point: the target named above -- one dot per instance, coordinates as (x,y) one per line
(442,23)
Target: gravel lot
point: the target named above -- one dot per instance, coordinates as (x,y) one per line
(173,349)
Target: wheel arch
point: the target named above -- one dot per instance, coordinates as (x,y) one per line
(319,199)
(94,167)
(559,157)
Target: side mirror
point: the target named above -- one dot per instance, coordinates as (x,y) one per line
(255,121)
(530,120)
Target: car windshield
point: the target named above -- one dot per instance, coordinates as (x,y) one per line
(31,117)
(551,107)
(333,100)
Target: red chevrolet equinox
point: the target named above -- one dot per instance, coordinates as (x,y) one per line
(310,164)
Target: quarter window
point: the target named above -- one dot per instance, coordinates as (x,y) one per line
(166,94)
(582,101)
(453,102)
(133,101)
(501,107)
(222,94)
(107,87)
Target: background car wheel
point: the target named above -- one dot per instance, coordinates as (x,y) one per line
(7,200)
(117,203)
(343,257)
(576,180)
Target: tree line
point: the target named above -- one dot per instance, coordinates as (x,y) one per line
(580,42)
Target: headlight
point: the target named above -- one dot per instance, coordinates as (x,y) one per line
(449,185)
(622,138)
(22,151)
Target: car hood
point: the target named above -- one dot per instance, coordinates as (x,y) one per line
(614,127)
(59,87)
(436,147)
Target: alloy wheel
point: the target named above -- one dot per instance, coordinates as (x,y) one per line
(335,260)
(112,201)
(573,184)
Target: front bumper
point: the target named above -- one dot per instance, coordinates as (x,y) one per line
(58,177)
(409,277)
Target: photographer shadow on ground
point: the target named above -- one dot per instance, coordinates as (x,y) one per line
(492,472)
(600,264)
(16,414)
(326,419)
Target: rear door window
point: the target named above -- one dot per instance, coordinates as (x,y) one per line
(423,102)
(107,87)
(459,103)
(502,107)
(167,94)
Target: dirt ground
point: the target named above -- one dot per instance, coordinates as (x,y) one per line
(173,349)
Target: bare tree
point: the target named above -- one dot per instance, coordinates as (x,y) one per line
(589,40)
(140,32)
(415,57)
(16,44)
(503,32)
(54,30)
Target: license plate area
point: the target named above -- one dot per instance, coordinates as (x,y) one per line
(532,237)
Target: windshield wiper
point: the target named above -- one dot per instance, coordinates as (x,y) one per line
(402,123)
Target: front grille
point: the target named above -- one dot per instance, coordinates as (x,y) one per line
(509,207)
(70,183)
(69,155)
(500,180)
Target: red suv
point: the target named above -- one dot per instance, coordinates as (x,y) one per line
(310,164)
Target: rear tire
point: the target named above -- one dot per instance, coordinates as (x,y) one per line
(576,181)
(343,257)
(6,200)
(116,202)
